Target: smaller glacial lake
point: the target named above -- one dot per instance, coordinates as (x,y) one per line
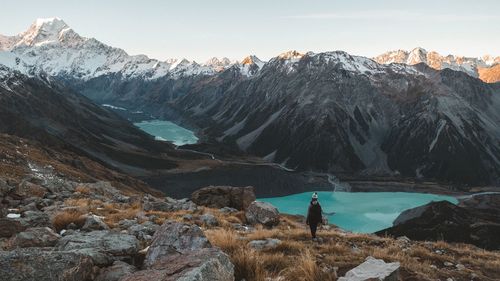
(363,212)
(168,131)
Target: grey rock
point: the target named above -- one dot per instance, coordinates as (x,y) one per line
(29,207)
(268,243)
(125,223)
(93,222)
(35,237)
(209,219)
(113,244)
(175,237)
(143,231)
(98,258)
(224,196)
(373,269)
(36,219)
(263,213)
(169,205)
(36,264)
(115,272)
(208,264)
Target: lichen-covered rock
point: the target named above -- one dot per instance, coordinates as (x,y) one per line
(373,269)
(208,264)
(34,237)
(175,237)
(263,213)
(36,264)
(224,196)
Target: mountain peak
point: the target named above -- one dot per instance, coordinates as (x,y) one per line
(252,59)
(43,31)
(293,54)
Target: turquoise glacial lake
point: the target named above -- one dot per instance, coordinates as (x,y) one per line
(168,131)
(362,212)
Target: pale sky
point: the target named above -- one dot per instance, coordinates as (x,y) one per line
(200,29)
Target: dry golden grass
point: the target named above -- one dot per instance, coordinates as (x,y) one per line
(63,218)
(306,269)
(298,258)
(83,190)
(112,212)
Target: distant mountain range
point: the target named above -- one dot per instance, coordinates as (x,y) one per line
(407,114)
(50,45)
(485,68)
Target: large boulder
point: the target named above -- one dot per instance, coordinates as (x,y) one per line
(101,245)
(224,196)
(36,264)
(181,251)
(175,237)
(115,272)
(208,264)
(372,270)
(168,204)
(263,213)
(35,237)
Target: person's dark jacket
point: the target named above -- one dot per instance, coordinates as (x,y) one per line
(314,214)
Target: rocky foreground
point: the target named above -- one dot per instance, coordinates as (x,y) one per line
(66,217)
(52,228)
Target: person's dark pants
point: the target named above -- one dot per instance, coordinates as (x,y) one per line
(313,227)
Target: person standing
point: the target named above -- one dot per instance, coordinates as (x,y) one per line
(314,215)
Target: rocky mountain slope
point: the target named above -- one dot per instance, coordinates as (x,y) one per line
(338,113)
(328,112)
(41,109)
(476,67)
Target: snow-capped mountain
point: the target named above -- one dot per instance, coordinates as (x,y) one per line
(51,46)
(334,112)
(471,66)
(329,112)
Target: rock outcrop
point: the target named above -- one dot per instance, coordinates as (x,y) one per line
(263,213)
(102,245)
(445,221)
(373,270)
(174,237)
(182,252)
(224,196)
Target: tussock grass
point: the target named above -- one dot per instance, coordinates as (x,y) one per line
(63,218)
